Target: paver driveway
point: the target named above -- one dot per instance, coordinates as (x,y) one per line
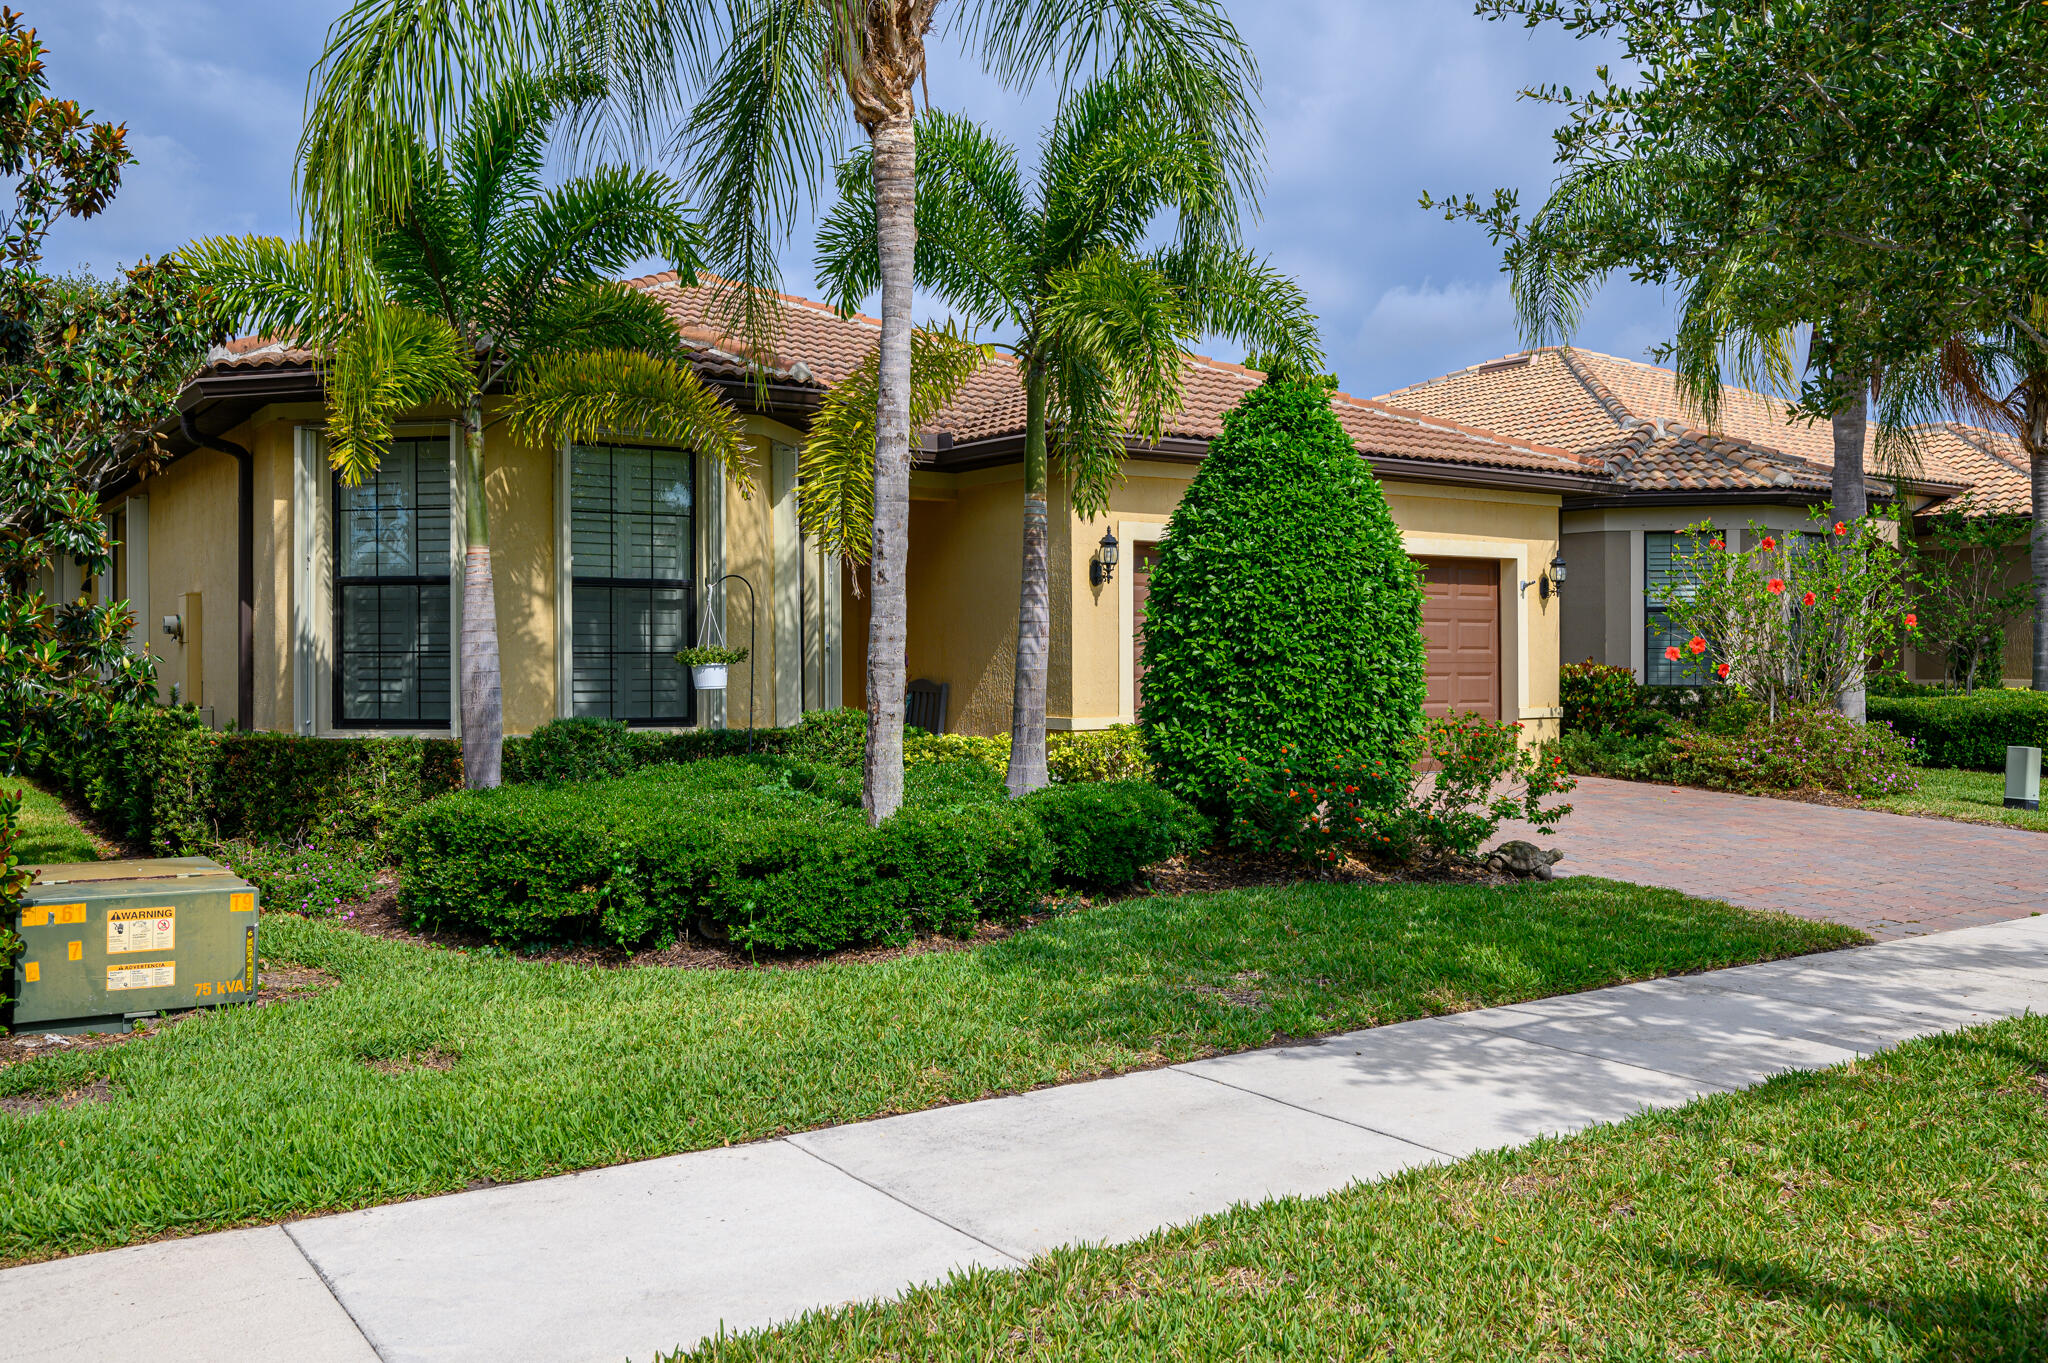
(1891,875)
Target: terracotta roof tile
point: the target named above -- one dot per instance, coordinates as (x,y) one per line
(1992,464)
(1631,417)
(817,347)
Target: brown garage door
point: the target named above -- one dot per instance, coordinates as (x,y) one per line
(1143,556)
(1461,628)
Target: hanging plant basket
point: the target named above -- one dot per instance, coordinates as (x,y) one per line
(708,664)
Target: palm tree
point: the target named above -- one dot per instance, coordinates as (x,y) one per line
(1101,324)
(755,93)
(480,281)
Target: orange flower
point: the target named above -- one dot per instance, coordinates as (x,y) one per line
(1808,599)
(1717,544)
(1777,586)
(1769,543)
(1698,645)
(1841,529)
(1672,653)
(1912,620)
(1722,672)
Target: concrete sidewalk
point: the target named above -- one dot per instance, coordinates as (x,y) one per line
(624,1262)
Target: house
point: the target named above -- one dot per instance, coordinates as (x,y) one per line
(277,597)
(1667,472)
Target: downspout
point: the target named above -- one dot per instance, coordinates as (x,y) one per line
(245,567)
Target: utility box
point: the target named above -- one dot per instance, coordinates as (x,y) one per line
(106,942)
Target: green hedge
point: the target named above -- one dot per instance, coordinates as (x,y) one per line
(767,851)
(1105,835)
(1967,730)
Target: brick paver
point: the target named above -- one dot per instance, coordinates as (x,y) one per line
(1889,874)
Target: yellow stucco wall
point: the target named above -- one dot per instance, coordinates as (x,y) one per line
(192,551)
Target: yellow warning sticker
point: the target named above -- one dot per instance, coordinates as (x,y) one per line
(30,971)
(61,914)
(77,951)
(141,930)
(142,975)
(242,903)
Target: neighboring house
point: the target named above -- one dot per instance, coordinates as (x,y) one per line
(1667,473)
(309,607)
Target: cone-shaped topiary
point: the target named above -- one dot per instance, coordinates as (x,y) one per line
(1283,611)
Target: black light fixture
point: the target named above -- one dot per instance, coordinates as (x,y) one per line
(1555,582)
(1102,568)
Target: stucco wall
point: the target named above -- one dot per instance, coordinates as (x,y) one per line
(192,550)
(1595,617)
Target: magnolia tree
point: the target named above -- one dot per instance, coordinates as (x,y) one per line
(1783,618)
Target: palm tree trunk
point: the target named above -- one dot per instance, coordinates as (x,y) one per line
(483,700)
(1852,501)
(2037,545)
(895,149)
(1034,617)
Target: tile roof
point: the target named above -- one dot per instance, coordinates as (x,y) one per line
(258,352)
(1630,416)
(1992,464)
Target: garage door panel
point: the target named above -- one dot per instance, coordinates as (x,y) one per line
(1461,635)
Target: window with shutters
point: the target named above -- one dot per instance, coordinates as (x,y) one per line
(392,537)
(1661,551)
(632,556)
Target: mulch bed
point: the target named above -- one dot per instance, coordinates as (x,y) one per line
(277,984)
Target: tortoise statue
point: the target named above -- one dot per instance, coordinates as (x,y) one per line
(1520,858)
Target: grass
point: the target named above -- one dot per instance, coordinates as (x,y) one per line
(248,1115)
(1892,1209)
(48,833)
(1977,796)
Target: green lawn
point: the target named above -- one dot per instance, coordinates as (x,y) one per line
(250,1115)
(1894,1209)
(48,833)
(1978,796)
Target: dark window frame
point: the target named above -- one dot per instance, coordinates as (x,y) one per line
(612,584)
(1657,636)
(339,718)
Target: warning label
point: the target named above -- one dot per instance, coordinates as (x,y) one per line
(141,930)
(142,975)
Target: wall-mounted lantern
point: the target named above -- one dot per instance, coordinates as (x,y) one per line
(1102,568)
(1549,582)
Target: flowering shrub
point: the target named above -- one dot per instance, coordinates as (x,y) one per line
(1793,623)
(314,879)
(1803,750)
(1483,776)
(1596,696)
(1364,807)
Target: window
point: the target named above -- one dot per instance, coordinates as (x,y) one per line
(632,548)
(392,592)
(1660,548)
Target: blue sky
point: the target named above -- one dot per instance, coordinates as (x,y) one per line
(1368,104)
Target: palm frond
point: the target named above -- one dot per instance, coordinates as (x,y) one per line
(1228,291)
(392,360)
(587,395)
(975,233)
(599,314)
(761,139)
(1126,318)
(267,286)
(836,468)
(592,227)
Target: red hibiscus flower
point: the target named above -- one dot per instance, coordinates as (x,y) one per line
(1698,645)
(1672,653)
(1717,544)
(1776,585)
(1808,599)
(1769,543)
(1840,528)
(1911,620)
(1722,672)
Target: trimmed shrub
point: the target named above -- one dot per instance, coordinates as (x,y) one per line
(1596,697)
(579,749)
(769,852)
(1105,834)
(1283,611)
(833,737)
(1968,730)
(1113,754)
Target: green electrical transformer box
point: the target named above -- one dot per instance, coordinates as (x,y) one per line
(105,942)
